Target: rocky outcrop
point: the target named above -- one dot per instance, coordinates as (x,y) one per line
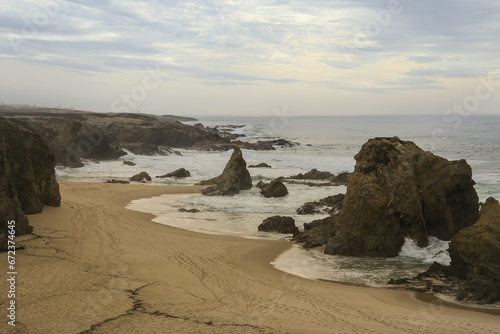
(128,163)
(142,176)
(474,272)
(475,256)
(261,165)
(118,181)
(233,179)
(318,232)
(179,173)
(279,224)
(331,205)
(397,191)
(27,176)
(275,188)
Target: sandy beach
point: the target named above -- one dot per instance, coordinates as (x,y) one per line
(92,266)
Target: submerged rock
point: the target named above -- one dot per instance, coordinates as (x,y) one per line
(275,188)
(233,179)
(179,173)
(141,177)
(128,163)
(27,177)
(279,224)
(398,190)
(118,181)
(261,165)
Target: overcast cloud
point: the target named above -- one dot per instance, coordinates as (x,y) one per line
(240,57)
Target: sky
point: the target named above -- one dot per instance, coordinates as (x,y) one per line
(253,57)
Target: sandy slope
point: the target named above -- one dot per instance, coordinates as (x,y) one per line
(95,267)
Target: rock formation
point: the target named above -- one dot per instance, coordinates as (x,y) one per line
(128,163)
(179,173)
(27,176)
(474,272)
(234,178)
(275,188)
(331,205)
(141,177)
(318,232)
(279,224)
(397,191)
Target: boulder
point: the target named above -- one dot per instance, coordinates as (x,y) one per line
(275,188)
(27,177)
(129,163)
(318,232)
(233,179)
(141,177)
(179,173)
(279,224)
(261,165)
(475,256)
(398,190)
(331,205)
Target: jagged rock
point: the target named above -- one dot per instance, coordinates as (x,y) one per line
(117,181)
(275,188)
(27,177)
(331,205)
(475,255)
(314,174)
(141,177)
(341,179)
(398,190)
(234,178)
(129,163)
(318,232)
(279,224)
(179,173)
(261,165)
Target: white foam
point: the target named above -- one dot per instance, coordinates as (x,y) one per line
(437,251)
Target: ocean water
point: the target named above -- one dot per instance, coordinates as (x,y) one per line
(327,144)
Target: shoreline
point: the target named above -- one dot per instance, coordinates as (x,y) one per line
(92,265)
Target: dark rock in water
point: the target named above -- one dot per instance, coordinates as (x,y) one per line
(341,179)
(141,177)
(261,165)
(27,177)
(313,174)
(279,224)
(149,150)
(475,255)
(275,188)
(318,232)
(398,190)
(117,181)
(128,163)
(189,210)
(331,205)
(179,173)
(233,179)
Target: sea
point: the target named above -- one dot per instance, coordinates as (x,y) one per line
(326,144)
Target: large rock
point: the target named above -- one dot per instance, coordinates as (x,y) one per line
(27,176)
(142,176)
(475,255)
(275,188)
(318,232)
(179,173)
(234,178)
(279,224)
(398,190)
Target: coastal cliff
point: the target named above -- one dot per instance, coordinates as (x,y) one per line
(27,176)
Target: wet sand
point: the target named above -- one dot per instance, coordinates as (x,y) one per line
(93,266)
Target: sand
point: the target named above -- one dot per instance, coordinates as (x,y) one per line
(93,266)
